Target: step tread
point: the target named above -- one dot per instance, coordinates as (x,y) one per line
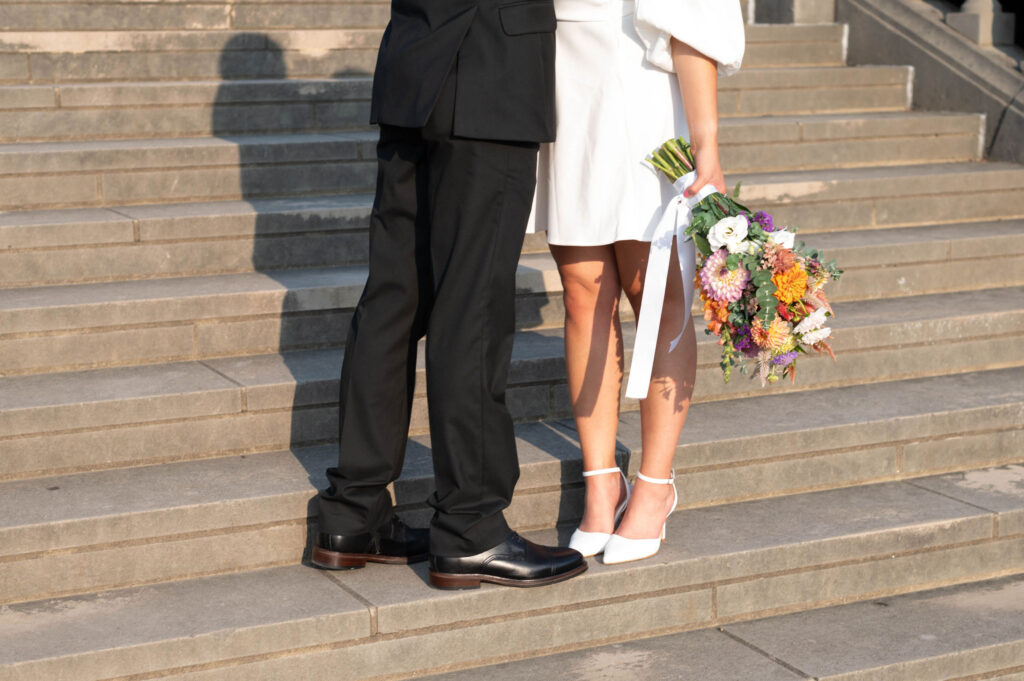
(720,544)
(155,153)
(81,509)
(202,91)
(537,272)
(269,372)
(973,628)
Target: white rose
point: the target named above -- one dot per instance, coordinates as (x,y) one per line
(729,233)
(782,237)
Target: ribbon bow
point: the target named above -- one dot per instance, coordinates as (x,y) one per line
(677,217)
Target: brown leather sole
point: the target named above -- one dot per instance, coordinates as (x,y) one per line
(333,560)
(451,580)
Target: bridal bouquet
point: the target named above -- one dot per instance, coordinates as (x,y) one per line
(763,292)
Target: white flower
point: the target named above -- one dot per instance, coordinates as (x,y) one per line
(811,322)
(782,237)
(729,233)
(745,246)
(815,337)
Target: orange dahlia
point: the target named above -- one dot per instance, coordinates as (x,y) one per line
(791,284)
(776,337)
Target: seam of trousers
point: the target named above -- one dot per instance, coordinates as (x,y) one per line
(486,317)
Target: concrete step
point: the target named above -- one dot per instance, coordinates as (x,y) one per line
(973,630)
(118,172)
(30,113)
(779,143)
(865,434)
(52,17)
(815,90)
(720,566)
(57,328)
(89,244)
(887,196)
(321,50)
(126,416)
(122,172)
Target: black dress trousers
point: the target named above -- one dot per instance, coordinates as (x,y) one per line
(445,235)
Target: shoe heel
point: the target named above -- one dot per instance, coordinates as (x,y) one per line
(448,581)
(332,560)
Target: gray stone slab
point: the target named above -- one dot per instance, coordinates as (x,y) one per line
(60,67)
(251,218)
(49,402)
(817,100)
(822,76)
(884,181)
(139,302)
(14,67)
(706,655)
(150,628)
(851,153)
(947,633)
(41,16)
(151,501)
(39,229)
(483,643)
(738,541)
(213,92)
(27,96)
(107,155)
(1000,490)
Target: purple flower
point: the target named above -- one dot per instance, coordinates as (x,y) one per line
(764,220)
(744,343)
(784,359)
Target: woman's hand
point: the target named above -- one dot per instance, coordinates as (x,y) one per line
(709,170)
(698,83)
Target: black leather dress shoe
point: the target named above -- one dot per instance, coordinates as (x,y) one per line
(514,562)
(393,542)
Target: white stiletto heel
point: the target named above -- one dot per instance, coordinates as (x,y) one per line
(620,549)
(592,543)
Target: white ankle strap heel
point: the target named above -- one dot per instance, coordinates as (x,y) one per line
(621,549)
(593,543)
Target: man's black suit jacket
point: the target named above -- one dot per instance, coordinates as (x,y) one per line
(505,79)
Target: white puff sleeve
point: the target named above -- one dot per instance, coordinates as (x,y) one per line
(712,27)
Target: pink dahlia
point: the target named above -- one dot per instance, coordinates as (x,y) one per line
(719,281)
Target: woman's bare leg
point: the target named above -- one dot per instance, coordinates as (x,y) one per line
(663,412)
(593,357)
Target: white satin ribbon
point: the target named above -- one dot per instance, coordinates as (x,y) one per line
(677,217)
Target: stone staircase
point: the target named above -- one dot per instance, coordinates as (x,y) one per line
(186,188)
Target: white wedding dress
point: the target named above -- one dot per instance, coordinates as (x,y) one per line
(618,99)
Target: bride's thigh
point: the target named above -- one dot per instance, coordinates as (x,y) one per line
(631,260)
(590,280)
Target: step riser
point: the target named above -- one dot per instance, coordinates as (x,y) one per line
(169,110)
(142,180)
(181,121)
(360,59)
(62,16)
(244,324)
(129,432)
(321,50)
(964,550)
(203,184)
(334,238)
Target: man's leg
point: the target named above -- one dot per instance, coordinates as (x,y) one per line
(378,374)
(479,194)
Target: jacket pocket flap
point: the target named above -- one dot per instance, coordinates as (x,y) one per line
(528,17)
